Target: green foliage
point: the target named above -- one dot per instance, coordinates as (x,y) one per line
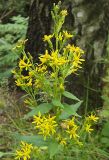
(53,148)
(70,110)
(13,6)
(42,108)
(105,134)
(70,95)
(10,33)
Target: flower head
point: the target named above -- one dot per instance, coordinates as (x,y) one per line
(64,12)
(88,128)
(92,117)
(71,128)
(47,37)
(24,64)
(73,132)
(70,122)
(61,140)
(46,126)
(67,35)
(24,152)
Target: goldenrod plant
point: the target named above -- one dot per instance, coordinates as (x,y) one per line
(57,126)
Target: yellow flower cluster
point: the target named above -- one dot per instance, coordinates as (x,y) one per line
(88,122)
(24,152)
(61,140)
(92,117)
(71,128)
(75,57)
(23,64)
(47,38)
(54,59)
(41,69)
(70,59)
(64,12)
(24,81)
(46,126)
(67,35)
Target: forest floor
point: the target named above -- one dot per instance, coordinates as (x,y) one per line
(10,119)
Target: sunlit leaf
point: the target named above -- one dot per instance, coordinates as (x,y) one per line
(70,95)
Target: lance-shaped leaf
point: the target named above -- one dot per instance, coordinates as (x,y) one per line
(70,110)
(53,148)
(37,140)
(70,95)
(42,108)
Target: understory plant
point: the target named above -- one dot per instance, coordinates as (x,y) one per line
(10,33)
(59,132)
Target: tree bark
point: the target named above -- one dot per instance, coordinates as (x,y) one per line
(90,21)
(39,25)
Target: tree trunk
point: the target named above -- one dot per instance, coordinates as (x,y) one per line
(90,21)
(39,25)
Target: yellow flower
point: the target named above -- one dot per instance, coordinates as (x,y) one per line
(38,119)
(61,140)
(19,82)
(46,125)
(70,123)
(24,152)
(77,61)
(23,64)
(29,83)
(31,73)
(57,60)
(64,12)
(25,77)
(79,143)
(72,132)
(78,50)
(67,35)
(38,83)
(60,36)
(13,71)
(74,49)
(47,37)
(44,58)
(53,75)
(71,128)
(92,117)
(88,128)
(41,69)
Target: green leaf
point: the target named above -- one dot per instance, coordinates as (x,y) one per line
(53,148)
(70,110)
(105,141)
(70,95)
(104,113)
(105,130)
(57,103)
(2,154)
(33,139)
(102,152)
(42,108)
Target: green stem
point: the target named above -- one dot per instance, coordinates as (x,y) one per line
(87,96)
